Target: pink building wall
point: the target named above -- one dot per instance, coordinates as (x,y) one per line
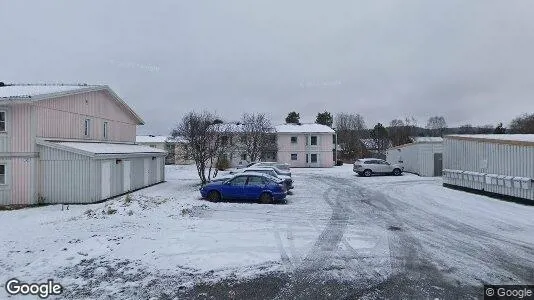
(64,118)
(54,118)
(323,149)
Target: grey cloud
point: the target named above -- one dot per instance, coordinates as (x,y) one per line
(466,60)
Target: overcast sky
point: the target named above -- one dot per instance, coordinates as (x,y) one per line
(470,61)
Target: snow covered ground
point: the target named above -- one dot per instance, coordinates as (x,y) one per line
(369,233)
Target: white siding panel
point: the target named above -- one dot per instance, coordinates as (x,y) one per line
(490,158)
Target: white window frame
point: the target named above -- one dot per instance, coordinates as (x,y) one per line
(106,130)
(5,120)
(296,140)
(316,140)
(316,158)
(87,127)
(4,182)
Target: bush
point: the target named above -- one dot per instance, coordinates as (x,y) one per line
(222,163)
(339,162)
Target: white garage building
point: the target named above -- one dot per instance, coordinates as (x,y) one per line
(501,164)
(424,156)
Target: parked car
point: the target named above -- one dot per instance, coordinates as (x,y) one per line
(246,186)
(281,166)
(276,169)
(270,171)
(369,166)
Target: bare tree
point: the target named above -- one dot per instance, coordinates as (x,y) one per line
(379,134)
(257,136)
(466,129)
(436,125)
(204,141)
(486,129)
(350,129)
(399,132)
(523,124)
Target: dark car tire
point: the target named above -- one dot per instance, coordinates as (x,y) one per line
(397,172)
(266,198)
(367,173)
(214,196)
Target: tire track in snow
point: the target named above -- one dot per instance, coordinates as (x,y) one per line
(283,255)
(323,250)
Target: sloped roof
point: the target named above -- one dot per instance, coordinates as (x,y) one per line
(27,91)
(303,128)
(14,93)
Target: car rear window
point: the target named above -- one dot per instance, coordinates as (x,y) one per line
(255,180)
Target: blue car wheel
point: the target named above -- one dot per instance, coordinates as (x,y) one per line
(266,198)
(214,196)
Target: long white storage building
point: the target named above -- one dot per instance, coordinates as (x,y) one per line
(424,156)
(501,164)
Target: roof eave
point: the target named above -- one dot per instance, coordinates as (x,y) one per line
(488,140)
(130,110)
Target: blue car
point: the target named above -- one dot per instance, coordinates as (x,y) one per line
(250,186)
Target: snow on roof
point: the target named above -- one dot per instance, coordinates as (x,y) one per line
(109,148)
(303,128)
(427,139)
(158,139)
(32,90)
(529,138)
(151,138)
(39,91)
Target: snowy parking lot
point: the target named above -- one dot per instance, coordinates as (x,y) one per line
(338,236)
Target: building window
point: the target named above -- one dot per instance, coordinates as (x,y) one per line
(294,156)
(2,121)
(293,140)
(313,158)
(87,127)
(2,174)
(307,158)
(105,130)
(313,140)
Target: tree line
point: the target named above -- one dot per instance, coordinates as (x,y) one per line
(209,140)
(351,129)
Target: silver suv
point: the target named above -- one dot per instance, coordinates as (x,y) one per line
(369,166)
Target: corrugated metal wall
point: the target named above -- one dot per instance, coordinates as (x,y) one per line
(417,158)
(496,168)
(67,177)
(408,155)
(426,157)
